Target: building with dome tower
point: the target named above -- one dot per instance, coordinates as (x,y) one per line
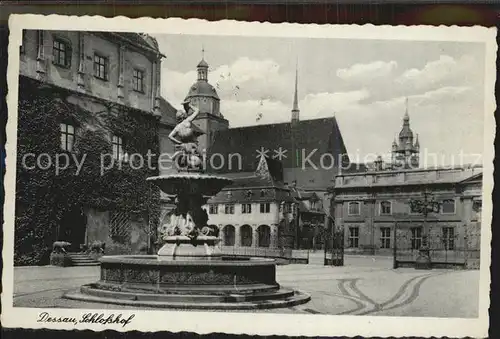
(204,96)
(275,201)
(373,212)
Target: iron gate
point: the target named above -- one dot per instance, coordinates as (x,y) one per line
(334,248)
(446,247)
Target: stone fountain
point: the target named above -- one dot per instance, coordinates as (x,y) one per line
(189,271)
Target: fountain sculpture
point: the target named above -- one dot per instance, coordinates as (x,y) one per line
(189,271)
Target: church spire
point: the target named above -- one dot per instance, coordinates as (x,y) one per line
(295,109)
(406,118)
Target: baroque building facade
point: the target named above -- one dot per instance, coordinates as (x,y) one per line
(373,210)
(96,89)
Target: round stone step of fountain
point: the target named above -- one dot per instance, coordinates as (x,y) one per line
(234,301)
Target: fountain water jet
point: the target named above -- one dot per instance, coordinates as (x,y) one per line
(189,271)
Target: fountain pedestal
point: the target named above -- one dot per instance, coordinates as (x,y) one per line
(185,248)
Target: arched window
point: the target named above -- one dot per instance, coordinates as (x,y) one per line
(246,235)
(264,232)
(228,235)
(354,208)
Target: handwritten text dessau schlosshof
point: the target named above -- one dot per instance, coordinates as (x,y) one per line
(87,318)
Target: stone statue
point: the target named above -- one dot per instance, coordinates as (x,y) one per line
(185,136)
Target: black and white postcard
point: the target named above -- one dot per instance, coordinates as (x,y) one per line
(248,178)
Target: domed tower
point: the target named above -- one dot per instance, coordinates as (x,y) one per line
(405,153)
(204,96)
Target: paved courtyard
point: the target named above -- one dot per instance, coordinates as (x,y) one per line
(364,286)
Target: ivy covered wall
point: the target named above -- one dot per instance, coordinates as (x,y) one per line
(45,196)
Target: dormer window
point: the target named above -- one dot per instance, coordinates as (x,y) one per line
(61,53)
(262,193)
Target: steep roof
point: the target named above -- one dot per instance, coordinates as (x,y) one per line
(407,177)
(318,136)
(245,185)
(168,112)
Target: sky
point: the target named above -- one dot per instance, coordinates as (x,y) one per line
(363,83)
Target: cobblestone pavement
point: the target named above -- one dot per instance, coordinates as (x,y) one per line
(364,286)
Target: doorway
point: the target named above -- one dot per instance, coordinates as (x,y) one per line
(72,228)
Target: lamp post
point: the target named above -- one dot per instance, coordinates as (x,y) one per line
(424,206)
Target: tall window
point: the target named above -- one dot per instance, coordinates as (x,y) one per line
(61,53)
(117,146)
(229,208)
(353,208)
(213,209)
(265,207)
(100,67)
(448,206)
(385,208)
(67,137)
(353,237)
(416,238)
(246,208)
(448,238)
(385,237)
(138,80)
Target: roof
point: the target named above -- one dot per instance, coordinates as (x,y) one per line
(202,88)
(308,139)
(141,40)
(407,177)
(243,183)
(202,63)
(168,112)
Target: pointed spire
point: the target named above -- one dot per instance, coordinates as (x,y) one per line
(295,96)
(262,168)
(417,143)
(295,108)
(407,116)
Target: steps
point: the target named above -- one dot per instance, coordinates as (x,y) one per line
(82,259)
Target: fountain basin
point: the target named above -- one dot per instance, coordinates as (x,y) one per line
(222,283)
(190,183)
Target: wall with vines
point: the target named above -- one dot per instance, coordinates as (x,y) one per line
(43,196)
